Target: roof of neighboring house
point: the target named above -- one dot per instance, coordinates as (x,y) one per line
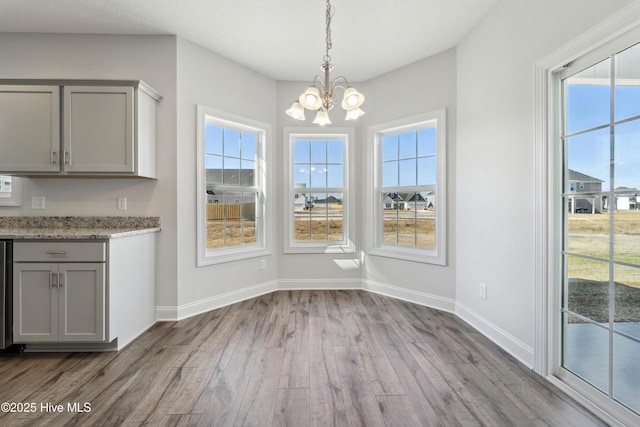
(626,190)
(330,199)
(579,176)
(410,197)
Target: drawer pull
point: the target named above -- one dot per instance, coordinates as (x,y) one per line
(56,252)
(54,282)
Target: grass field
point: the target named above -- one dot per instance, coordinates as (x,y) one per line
(405,228)
(588,234)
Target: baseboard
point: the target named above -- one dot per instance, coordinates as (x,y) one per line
(416,297)
(319,284)
(164,313)
(502,338)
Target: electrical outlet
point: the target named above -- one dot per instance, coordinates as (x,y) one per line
(483,291)
(37,202)
(263,264)
(122,203)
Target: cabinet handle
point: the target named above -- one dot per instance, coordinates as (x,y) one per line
(67,158)
(53,274)
(60,280)
(54,156)
(56,252)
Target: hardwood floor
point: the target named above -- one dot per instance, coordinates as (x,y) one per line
(294,358)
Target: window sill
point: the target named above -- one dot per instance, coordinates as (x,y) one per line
(320,248)
(221,256)
(426,256)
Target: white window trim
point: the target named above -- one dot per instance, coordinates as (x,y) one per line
(15,197)
(438,255)
(290,245)
(221,255)
(624,26)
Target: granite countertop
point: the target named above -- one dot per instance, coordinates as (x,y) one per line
(81,227)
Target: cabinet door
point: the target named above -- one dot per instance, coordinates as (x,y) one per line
(82,302)
(35,302)
(98,129)
(29,128)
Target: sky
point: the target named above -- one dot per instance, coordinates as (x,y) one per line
(590,152)
(589,106)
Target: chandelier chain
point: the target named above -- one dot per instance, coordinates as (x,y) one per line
(329,43)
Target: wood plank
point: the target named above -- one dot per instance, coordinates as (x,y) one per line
(292,408)
(326,402)
(260,395)
(397,411)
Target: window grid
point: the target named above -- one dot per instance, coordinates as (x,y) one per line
(316,181)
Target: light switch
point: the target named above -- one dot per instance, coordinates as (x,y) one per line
(122,203)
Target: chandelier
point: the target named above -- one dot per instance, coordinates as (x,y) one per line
(320,95)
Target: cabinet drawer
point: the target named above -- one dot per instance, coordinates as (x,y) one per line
(59,251)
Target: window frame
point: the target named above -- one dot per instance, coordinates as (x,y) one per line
(290,245)
(376,245)
(205,256)
(14,198)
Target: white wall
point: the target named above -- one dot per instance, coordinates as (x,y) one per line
(421,87)
(314,270)
(148,58)
(495,165)
(208,79)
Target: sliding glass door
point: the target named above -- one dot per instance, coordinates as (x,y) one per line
(601,216)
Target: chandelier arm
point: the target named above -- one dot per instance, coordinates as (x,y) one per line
(334,84)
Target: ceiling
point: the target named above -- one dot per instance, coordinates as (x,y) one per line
(283,39)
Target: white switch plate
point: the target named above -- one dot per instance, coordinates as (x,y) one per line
(122,203)
(483,291)
(37,202)
(263,264)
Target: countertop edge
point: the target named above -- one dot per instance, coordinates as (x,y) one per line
(72,234)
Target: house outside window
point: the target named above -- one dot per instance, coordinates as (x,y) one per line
(407,212)
(317,201)
(231,187)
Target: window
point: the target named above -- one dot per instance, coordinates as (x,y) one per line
(408,202)
(10,191)
(318,198)
(231,187)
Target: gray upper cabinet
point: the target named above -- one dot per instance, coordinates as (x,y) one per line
(101,128)
(29,128)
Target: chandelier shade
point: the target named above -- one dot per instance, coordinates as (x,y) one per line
(322,118)
(296,111)
(310,98)
(354,114)
(352,99)
(320,95)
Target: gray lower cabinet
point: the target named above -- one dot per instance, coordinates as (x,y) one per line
(60,301)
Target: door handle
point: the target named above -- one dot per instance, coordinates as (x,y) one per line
(60,280)
(54,282)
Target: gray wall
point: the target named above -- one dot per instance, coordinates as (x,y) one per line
(148,58)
